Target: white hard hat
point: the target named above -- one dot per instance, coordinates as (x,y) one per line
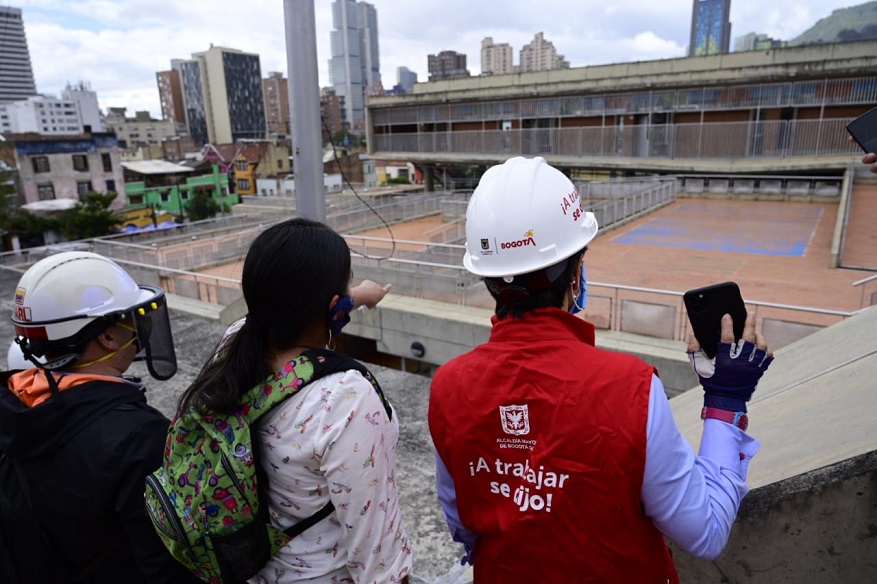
(15,358)
(525,215)
(59,296)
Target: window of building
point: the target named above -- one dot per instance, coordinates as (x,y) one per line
(111,186)
(41,164)
(46,192)
(107,162)
(135,200)
(242,165)
(165,197)
(184,195)
(279,163)
(243,184)
(80,162)
(82,189)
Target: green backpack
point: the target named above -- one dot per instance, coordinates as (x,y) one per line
(206,501)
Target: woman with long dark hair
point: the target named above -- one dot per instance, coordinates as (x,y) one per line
(331,442)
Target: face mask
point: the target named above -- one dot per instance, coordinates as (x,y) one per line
(340,315)
(580,301)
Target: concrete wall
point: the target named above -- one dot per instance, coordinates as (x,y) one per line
(817,527)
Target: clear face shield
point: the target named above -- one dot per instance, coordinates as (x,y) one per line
(155,342)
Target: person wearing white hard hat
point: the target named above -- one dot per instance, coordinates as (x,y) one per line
(15,358)
(557,461)
(77,435)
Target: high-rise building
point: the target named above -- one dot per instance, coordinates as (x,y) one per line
(447,65)
(496,58)
(276,91)
(371,58)
(222,89)
(405,79)
(540,55)
(16,73)
(710,27)
(355,63)
(170,93)
(332,112)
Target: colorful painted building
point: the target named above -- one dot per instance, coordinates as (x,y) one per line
(166,186)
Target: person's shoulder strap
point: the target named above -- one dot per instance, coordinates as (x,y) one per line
(286,382)
(322,513)
(327,362)
(297,373)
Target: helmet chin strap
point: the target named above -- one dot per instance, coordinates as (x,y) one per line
(109,355)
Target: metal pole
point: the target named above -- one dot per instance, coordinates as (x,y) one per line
(304,108)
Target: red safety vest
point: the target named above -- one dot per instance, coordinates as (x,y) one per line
(545,437)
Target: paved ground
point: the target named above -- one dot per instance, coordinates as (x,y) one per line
(777,251)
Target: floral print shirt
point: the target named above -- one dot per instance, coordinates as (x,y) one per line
(333,441)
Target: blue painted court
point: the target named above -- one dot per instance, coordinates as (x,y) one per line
(755,227)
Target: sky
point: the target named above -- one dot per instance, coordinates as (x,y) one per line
(117,46)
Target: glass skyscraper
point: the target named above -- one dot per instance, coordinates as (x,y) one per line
(355,64)
(710,27)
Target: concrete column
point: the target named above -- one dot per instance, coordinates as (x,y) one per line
(429,177)
(304,108)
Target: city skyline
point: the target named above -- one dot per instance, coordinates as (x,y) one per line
(119,46)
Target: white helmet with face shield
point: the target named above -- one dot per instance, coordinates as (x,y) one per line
(66,299)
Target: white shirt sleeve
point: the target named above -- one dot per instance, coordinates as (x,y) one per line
(691,499)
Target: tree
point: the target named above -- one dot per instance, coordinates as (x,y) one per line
(202,206)
(91,217)
(346,139)
(7,196)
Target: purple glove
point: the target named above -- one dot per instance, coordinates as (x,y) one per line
(729,380)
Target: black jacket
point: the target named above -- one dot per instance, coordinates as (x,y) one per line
(85,453)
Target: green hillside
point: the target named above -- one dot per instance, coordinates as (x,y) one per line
(855,23)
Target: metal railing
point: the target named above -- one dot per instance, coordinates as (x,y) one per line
(861,90)
(864,284)
(434,271)
(722,140)
(634,198)
(428,268)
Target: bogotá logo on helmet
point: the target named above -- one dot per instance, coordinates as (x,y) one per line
(515,419)
(528,240)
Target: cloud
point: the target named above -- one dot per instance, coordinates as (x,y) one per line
(119,45)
